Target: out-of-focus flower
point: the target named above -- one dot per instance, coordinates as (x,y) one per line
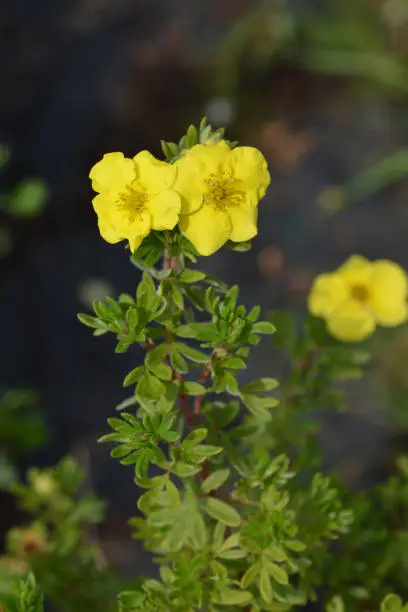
(359,296)
(220,189)
(32,542)
(134,196)
(44,485)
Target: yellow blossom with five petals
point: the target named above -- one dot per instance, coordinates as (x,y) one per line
(134,196)
(360,295)
(220,189)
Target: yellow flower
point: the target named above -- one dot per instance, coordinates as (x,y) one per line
(359,296)
(220,191)
(134,196)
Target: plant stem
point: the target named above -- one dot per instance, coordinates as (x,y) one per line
(184,403)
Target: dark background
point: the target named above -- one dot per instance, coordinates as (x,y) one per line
(83,77)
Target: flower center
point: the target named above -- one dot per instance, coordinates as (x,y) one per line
(359,293)
(132,203)
(222,192)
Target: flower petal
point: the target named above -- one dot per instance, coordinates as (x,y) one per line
(243,221)
(137,230)
(356,271)
(141,226)
(351,322)
(249,166)
(210,157)
(327,293)
(194,167)
(107,232)
(165,209)
(135,242)
(388,293)
(208,229)
(155,175)
(104,205)
(112,173)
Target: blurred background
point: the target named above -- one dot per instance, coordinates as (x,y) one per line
(320,86)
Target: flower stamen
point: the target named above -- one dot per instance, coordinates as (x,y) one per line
(132,204)
(222,193)
(359,293)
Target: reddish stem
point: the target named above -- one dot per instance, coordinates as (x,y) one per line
(184,402)
(186,409)
(169,262)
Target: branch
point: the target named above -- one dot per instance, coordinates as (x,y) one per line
(184,402)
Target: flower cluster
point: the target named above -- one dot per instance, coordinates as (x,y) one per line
(211,192)
(360,295)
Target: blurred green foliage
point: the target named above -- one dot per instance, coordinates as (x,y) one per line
(22,429)
(27,198)
(59,543)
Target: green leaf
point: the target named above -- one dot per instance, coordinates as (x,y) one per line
(275,571)
(234,553)
(215,480)
(170,150)
(192,353)
(150,387)
(133,376)
(253,315)
(28,595)
(223,414)
(241,247)
(218,536)
(198,531)
(207,450)
(193,388)
(177,296)
(183,470)
(88,320)
(196,295)
(142,466)
(249,576)
(232,597)
(265,587)
(169,436)
(222,512)
(336,604)
(391,603)
(260,385)
(277,554)
(156,355)
(191,276)
(253,403)
(226,381)
(295,545)
(129,401)
(177,362)
(162,371)
(206,332)
(263,327)
(195,437)
(185,331)
(235,363)
(121,347)
(146,294)
(231,542)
